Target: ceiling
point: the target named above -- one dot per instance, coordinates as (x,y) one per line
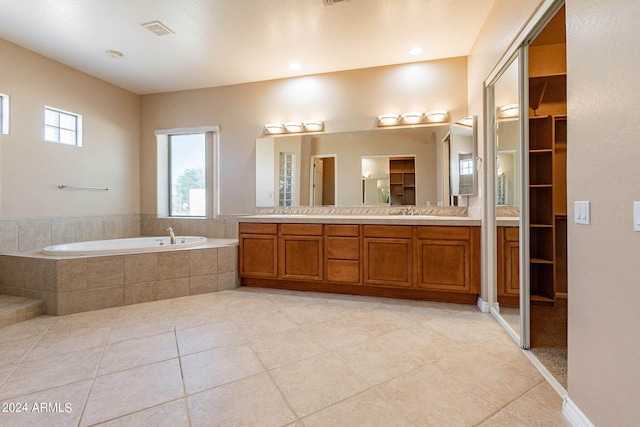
(223,42)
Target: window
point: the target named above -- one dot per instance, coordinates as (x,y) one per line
(187,174)
(466,167)
(62,127)
(4,114)
(286,179)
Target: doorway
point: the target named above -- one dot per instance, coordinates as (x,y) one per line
(529,273)
(323,184)
(547,204)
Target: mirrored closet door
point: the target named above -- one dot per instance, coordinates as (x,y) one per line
(504,149)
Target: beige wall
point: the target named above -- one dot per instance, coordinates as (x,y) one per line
(603,155)
(345,101)
(31,168)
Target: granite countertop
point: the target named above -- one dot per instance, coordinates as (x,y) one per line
(364,219)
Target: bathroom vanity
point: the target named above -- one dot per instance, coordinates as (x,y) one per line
(414,257)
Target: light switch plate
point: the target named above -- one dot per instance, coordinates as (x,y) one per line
(582,213)
(636,216)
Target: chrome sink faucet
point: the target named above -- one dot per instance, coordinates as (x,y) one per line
(172,237)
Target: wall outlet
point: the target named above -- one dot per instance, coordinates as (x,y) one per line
(636,216)
(582,213)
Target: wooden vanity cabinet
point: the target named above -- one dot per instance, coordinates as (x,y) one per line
(439,263)
(342,243)
(388,256)
(300,252)
(447,259)
(258,256)
(508,274)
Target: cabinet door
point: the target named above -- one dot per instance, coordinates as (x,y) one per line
(258,255)
(388,262)
(301,257)
(444,265)
(512,268)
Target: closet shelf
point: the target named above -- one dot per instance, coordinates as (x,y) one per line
(540,261)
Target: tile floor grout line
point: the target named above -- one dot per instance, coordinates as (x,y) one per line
(24,356)
(479,395)
(95,374)
(134,412)
(523,395)
(295,414)
(411,420)
(185,396)
(503,407)
(286,401)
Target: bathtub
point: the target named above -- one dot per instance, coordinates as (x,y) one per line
(77,277)
(130,245)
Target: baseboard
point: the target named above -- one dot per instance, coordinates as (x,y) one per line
(483,305)
(553,382)
(575,416)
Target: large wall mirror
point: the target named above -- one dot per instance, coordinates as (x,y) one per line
(392,167)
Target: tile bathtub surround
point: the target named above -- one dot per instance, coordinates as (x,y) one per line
(273,357)
(19,235)
(223,227)
(83,284)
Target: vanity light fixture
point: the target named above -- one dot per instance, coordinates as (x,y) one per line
(388,119)
(509,110)
(313,125)
(436,116)
(417,50)
(274,128)
(412,117)
(294,127)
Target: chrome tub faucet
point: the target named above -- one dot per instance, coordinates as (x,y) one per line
(172,237)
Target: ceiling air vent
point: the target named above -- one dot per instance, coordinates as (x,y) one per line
(158,28)
(332,2)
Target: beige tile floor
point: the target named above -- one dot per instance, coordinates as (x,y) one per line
(271,358)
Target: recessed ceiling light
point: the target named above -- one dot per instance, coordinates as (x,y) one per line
(295,66)
(114,53)
(158,28)
(415,50)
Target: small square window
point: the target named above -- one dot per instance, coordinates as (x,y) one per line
(466,167)
(62,127)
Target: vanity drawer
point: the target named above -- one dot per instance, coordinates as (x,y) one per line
(343,271)
(395,231)
(254,228)
(343,248)
(443,233)
(342,230)
(301,229)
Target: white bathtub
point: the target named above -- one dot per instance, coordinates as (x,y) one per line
(131,245)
